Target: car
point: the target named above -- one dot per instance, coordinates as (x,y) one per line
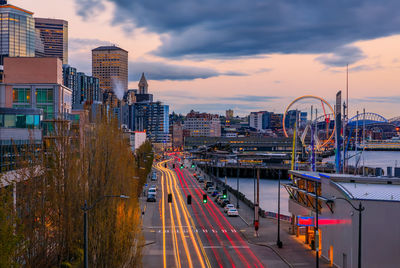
(210,190)
(220,200)
(154,176)
(208,184)
(152,191)
(233,212)
(224,203)
(228,207)
(215,193)
(151,198)
(200,179)
(217,197)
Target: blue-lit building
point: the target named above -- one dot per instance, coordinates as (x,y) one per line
(20,133)
(17,32)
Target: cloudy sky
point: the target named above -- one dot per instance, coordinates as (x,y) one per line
(211,55)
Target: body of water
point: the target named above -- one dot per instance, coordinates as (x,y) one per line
(268,193)
(269,188)
(382,159)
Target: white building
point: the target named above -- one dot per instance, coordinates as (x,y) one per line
(203,124)
(339,198)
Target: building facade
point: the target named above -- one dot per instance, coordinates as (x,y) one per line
(177,135)
(36,83)
(53,35)
(19,129)
(17,32)
(153,118)
(260,120)
(203,124)
(85,89)
(339,197)
(110,65)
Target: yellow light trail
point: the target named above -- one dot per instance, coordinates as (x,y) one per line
(187,216)
(163,216)
(174,237)
(178,215)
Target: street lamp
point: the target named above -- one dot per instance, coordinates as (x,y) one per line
(85,209)
(360,209)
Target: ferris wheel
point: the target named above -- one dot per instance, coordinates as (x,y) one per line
(315,121)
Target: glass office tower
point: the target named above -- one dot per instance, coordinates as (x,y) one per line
(17,33)
(54,36)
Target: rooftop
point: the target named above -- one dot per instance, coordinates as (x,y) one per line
(370,191)
(113,47)
(3,7)
(358,187)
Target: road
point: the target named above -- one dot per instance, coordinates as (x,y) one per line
(197,234)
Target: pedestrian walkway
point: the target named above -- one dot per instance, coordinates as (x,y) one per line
(294,252)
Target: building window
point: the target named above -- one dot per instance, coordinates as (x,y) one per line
(48,111)
(44,95)
(21,95)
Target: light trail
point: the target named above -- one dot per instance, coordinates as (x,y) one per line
(163,216)
(211,209)
(190,222)
(178,215)
(217,257)
(240,239)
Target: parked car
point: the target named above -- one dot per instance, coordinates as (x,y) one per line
(208,184)
(154,176)
(218,197)
(233,212)
(200,179)
(228,207)
(215,193)
(224,203)
(151,198)
(210,190)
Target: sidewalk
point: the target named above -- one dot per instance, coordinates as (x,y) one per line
(294,252)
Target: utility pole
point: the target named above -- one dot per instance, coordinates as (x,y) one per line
(237,184)
(316,229)
(278,241)
(256,205)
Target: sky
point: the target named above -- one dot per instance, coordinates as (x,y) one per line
(213,55)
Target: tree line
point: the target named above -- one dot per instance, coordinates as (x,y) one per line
(41,217)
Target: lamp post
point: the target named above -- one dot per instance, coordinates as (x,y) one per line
(360,209)
(278,240)
(85,209)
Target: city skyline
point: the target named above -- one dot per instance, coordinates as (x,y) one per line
(256,73)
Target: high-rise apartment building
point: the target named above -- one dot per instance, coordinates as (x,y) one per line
(17,32)
(260,120)
(85,89)
(110,65)
(53,34)
(153,118)
(203,124)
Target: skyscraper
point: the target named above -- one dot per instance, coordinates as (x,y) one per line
(110,65)
(17,32)
(54,36)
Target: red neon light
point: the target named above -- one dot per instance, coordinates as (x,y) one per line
(310,221)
